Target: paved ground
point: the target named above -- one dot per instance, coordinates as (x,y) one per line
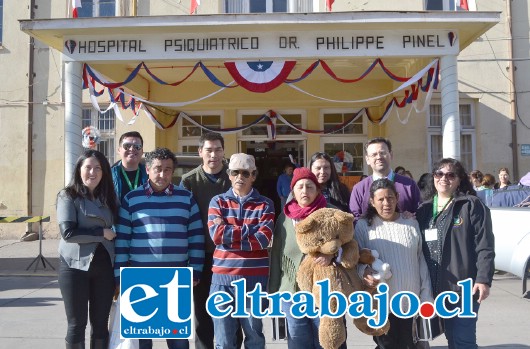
(32,313)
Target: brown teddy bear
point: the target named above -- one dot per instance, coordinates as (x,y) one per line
(325,231)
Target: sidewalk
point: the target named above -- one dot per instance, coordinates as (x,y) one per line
(32,313)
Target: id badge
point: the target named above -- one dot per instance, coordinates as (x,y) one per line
(431,235)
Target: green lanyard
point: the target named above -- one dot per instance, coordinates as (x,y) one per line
(135,179)
(435,212)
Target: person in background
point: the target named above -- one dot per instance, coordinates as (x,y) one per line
(306,198)
(488,181)
(241,223)
(205,181)
(335,192)
(398,241)
(458,244)
(86,210)
(426,185)
(504,179)
(160,226)
(379,157)
(400,170)
(476,178)
(129,173)
(284,183)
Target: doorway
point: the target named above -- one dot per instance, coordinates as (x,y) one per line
(271,157)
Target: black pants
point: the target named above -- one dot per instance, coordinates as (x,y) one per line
(398,337)
(203,322)
(87,294)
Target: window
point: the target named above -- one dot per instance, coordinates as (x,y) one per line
(442,5)
(467,135)
(259,131)
(268,6)
(106,125)
(345,146)
(190,133)
(334,119)
(97,8)
(1,20)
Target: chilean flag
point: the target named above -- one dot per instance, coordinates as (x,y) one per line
(75,5)
(194,5)
(261,76)
(468,5)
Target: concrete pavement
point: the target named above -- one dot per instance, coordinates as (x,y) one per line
(32,313)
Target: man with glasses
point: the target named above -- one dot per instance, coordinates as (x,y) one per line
(378,157)
(128,173)
(241,224)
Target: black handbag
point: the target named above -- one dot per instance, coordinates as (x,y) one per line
(425,330)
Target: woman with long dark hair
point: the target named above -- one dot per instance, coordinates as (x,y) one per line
(86,210)
(335,192)
(458,244)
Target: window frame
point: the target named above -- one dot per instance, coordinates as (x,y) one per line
(107,136)
(96,8)
(360,138)
(269,6)
(295,137)
(194,140)
(464,131)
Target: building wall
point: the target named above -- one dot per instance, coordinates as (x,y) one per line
(484,82)
(14,62)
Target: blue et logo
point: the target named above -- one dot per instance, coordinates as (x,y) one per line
(156,303)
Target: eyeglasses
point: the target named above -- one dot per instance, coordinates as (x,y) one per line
(381,154)
(449,175)
(128,146)
(235,173)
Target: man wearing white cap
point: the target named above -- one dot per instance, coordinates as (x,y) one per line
(241,224)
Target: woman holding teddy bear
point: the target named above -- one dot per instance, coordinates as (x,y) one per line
(286,255)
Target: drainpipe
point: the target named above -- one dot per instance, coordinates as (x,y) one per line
(513,95)
(134,8)
(31,74)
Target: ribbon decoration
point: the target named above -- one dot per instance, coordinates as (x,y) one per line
(91,137)
(411,89)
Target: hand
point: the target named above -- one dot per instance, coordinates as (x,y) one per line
(116,293)
(483,291)
(109,234)
(408,215)
(218,221)
(323,259)
(368,279)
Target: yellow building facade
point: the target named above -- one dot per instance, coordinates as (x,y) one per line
(44,107)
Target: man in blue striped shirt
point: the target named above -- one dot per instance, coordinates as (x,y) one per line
(160,226)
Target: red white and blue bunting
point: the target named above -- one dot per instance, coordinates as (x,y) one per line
(262,77)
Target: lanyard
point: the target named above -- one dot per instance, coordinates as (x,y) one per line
(435,212)
(135,179)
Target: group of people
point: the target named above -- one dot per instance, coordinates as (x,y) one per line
(218,224)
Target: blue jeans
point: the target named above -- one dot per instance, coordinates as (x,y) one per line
(461,333)
(302,333)
(225,329)
(171,343)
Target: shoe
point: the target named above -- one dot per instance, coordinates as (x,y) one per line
(30,236)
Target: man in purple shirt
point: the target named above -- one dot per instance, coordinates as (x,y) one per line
(378,157)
